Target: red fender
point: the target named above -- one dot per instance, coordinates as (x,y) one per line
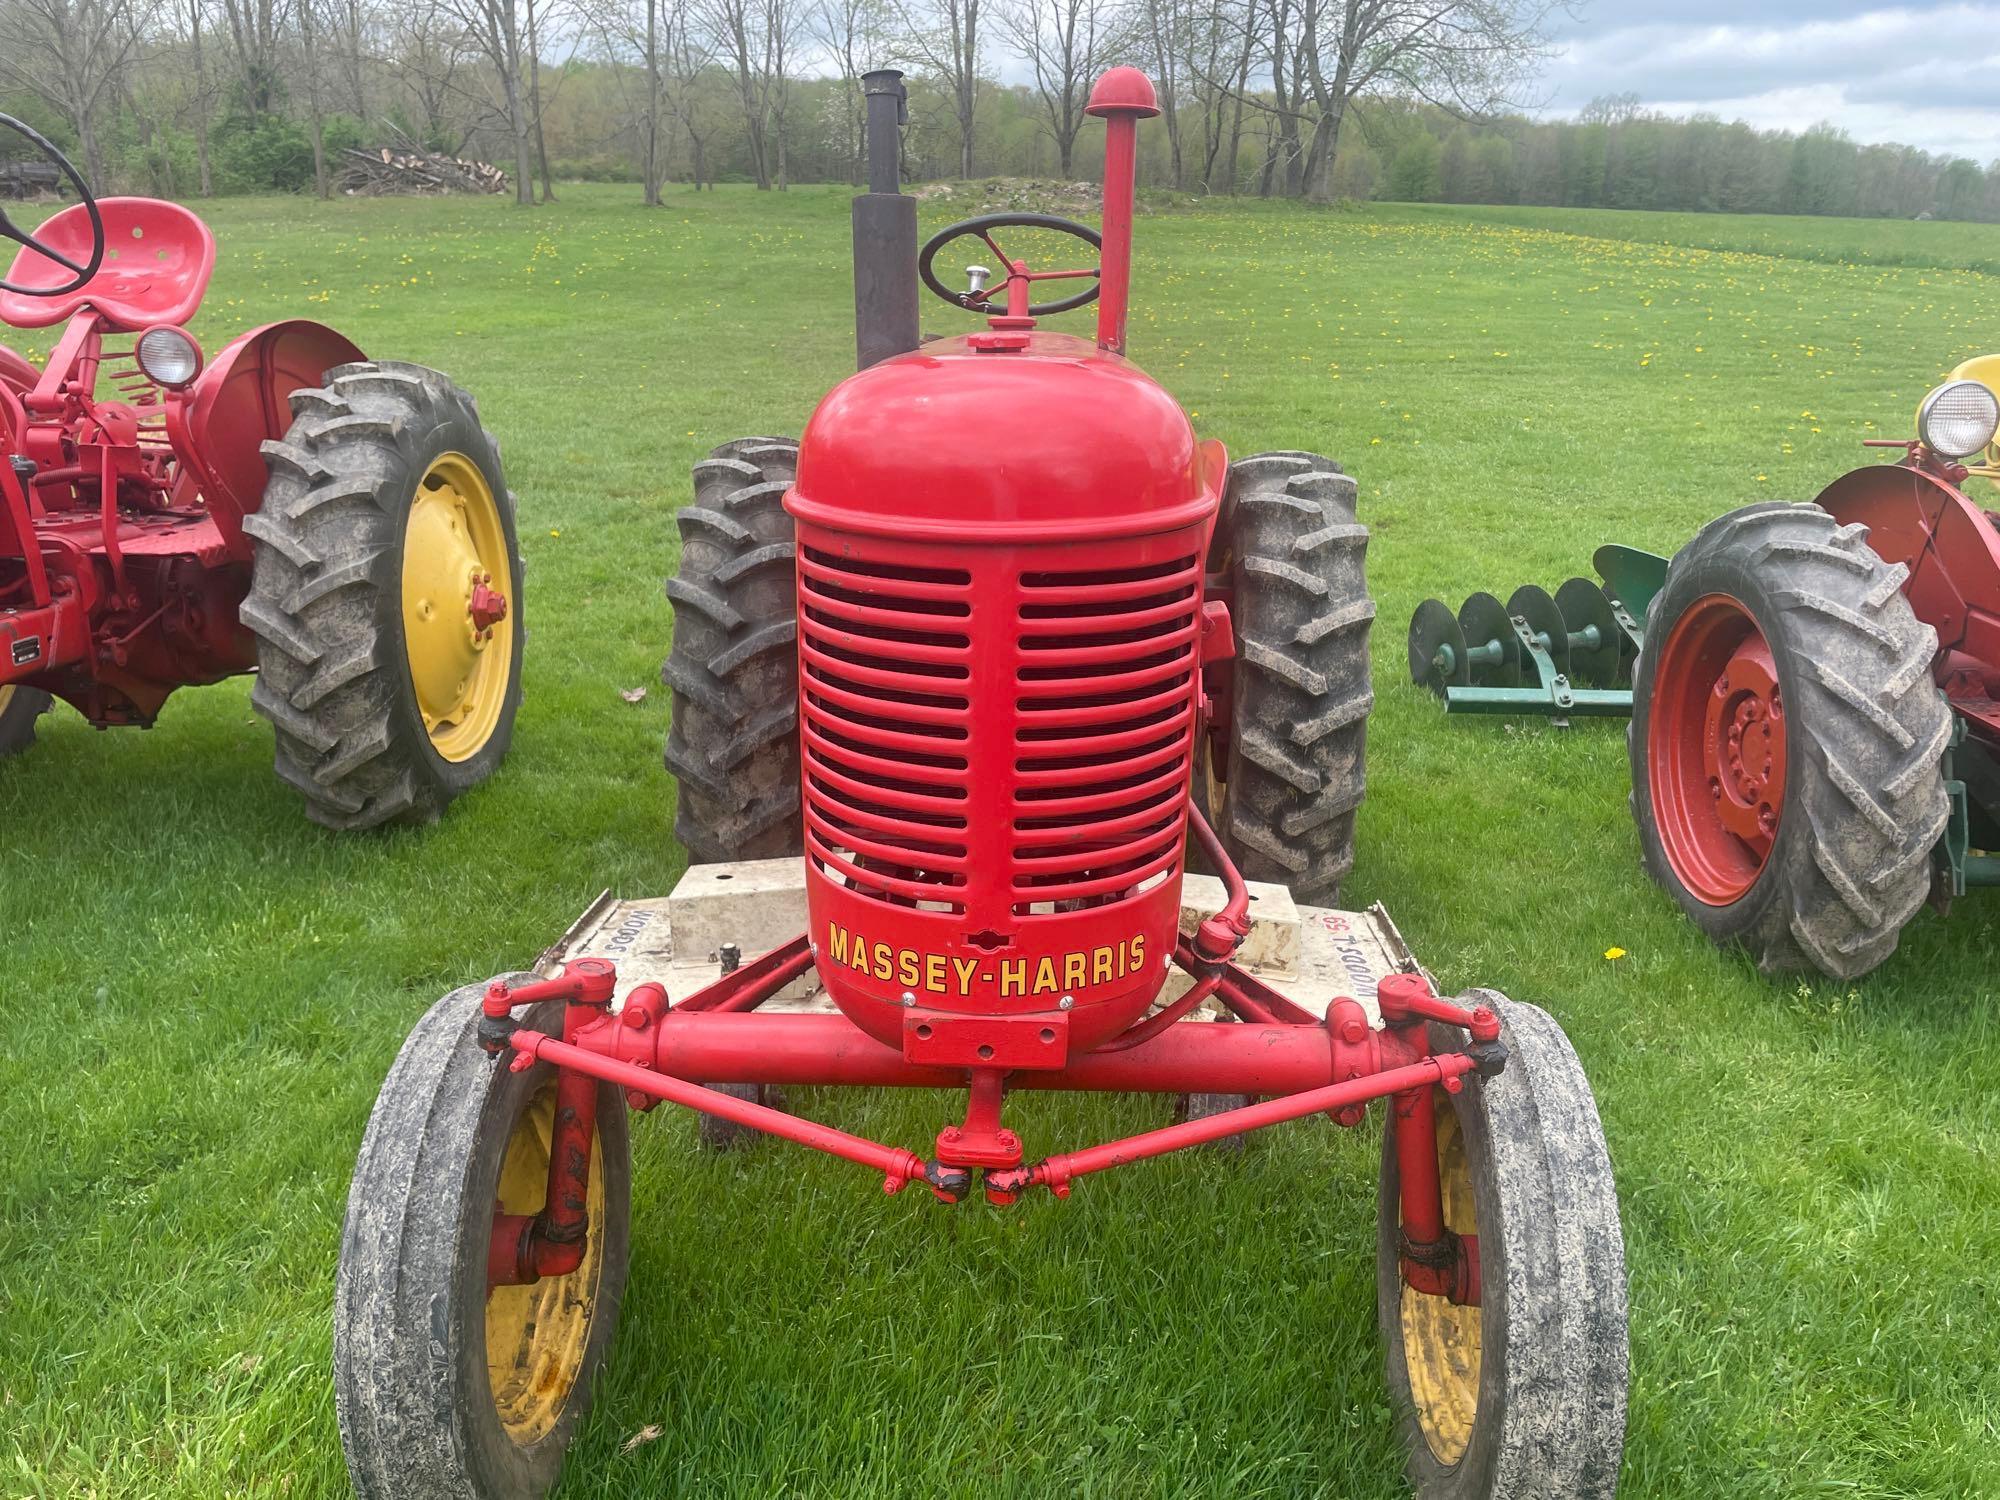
(1951,546)
(241,401)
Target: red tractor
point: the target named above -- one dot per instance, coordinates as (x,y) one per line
(1815,739)
(339,526)
(974,661)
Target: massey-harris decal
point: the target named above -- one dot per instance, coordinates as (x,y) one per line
(954,974)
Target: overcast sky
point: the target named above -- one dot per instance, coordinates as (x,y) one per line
(1917,73)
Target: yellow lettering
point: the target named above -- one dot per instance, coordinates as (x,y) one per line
(1075,966)
(906,968)
(1013,977)
(1100,965)
(857,952)
(934,972)
(963,969)
(1138,950)
(836,942)
(885,961)
(1045,977)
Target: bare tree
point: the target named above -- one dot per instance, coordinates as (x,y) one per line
(70,53)
(944,40)
(1066,43)
(853,32)
(426,48)
(496,30)
(253,36)
(316,112)
(754,38)
(1469,57)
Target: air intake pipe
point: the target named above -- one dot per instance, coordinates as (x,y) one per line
(885,231)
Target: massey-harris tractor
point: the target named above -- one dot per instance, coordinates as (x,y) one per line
(1816,713)
(957,677)
(339,526)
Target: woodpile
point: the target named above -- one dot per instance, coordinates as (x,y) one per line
(407,169)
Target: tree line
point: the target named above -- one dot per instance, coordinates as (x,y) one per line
(1402,99)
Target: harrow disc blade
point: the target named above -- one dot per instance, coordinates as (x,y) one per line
(1584,608)
(1532,603)
(1491,645)
(1437,648)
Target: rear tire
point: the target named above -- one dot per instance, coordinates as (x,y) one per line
(327,597)
(1864,800)
(1297,771)
(733,745)
(19,708)
(414,1373)
(1525,1394)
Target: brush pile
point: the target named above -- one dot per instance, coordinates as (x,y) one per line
(380,171)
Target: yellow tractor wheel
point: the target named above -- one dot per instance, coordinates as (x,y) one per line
(386,597)
(1523,1393)
(500,1375)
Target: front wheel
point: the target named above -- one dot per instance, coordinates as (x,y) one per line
(442,1386)
(1524,1394)
(386,597)
(1787,741)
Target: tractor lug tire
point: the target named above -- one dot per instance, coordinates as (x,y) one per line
(19,708)
(1864,799)
(1301,613)
(413,1391)
(1538,1409)
(733,744)
(717,1134)
(326,595)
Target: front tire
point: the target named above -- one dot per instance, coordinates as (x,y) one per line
(1296,767)
(1525,1394)
(441,1387)
(386,515)
(19,708)
(1787,741)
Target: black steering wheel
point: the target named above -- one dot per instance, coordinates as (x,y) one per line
(9,230)
(982,228)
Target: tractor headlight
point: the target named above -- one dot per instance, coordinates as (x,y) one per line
(170,357)
(1958,419)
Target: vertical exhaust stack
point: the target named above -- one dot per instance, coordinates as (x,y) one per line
(885,231)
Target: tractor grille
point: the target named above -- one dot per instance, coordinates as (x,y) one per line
(1105,675)
(885,673)
(1028,753)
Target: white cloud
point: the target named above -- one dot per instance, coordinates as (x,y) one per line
(1887,74)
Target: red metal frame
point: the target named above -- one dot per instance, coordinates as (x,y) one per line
(123,560)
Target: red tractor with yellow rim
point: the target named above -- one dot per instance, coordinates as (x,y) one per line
(339,526)
(1815,739)
(962,679)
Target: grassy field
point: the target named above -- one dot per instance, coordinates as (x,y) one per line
(202,993)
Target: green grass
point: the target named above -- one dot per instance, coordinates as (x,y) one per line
(202,993)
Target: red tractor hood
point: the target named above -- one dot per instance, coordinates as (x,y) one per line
(1054,440)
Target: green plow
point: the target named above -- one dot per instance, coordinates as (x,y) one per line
(1566,655)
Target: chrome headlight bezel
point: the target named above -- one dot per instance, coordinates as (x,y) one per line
(169,356)
(1956,413)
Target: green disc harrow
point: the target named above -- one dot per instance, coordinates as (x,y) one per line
(1565,655)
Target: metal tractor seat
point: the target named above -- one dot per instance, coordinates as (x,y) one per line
(155,270)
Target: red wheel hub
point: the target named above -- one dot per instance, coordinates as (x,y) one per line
(1716,749)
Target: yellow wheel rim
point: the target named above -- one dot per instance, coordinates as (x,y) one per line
(6,699)
(536,1335)
(454,543)
(1440,1338)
